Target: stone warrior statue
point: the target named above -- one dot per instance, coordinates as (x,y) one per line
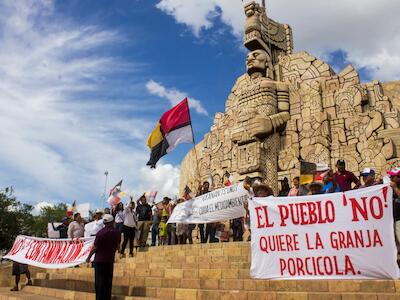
(262,107)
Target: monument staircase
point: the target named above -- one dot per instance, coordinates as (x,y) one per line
(201,271)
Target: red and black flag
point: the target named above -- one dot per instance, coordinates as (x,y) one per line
(174,128)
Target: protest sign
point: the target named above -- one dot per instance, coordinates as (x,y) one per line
(50,253)
(51,233)
(219,205)
(83,209)
(332,236)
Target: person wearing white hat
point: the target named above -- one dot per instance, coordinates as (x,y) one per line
(105,245)
(368,176)
(92,228)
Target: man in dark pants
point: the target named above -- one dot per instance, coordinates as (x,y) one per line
(144,214)
(105,245)
(204,189)
(17,270)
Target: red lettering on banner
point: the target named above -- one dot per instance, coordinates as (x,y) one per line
(355,239)
(279,243)
(17,246)
(317,244)
(307,213)
(260,216)
(374,207)
(384,193)
(316,266)
(46,252)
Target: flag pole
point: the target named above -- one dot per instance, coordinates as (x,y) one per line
(194,144)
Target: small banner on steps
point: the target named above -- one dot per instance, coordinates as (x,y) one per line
(332,236)
(50,253)
(219,205)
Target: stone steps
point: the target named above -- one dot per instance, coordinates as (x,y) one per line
(122,286)
(204,294)
(7,282)
(52,293)
(6,294)
(166,273)
(205,271)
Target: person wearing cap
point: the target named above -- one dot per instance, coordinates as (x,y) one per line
(76,228)
(105,245)
(368,176)
(345,178)
(62,228)
(330,185)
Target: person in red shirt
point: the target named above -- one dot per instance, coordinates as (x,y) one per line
(345,178)
(105,245)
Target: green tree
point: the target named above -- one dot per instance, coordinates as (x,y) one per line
(15,218)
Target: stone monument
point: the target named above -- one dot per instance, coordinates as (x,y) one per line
(290,107)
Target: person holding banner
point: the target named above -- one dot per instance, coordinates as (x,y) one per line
(330,185)
(17,270)
(62,228)
(295,190)
(105,245)
(345,178)
(368,176)
(316,188)
(76,229)
(395,184)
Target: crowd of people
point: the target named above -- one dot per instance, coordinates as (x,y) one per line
(115,228)
(137,220)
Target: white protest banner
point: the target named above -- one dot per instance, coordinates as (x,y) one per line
(219,205)
(332,236)
(50,253)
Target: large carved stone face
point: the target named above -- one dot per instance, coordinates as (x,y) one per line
(256,61)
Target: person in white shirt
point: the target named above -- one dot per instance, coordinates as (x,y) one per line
(129,228)
(92,228)
(76,229)
(119,216)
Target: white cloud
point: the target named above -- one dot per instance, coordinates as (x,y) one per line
(57,136)
(38,207)
(174,96)
(367,30)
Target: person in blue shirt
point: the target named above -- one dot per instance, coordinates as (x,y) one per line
(330,185)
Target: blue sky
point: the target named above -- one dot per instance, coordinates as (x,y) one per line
(82,83)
